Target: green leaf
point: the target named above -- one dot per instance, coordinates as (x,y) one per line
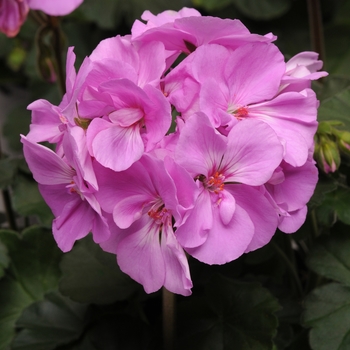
(328,313)
(335,205)
(335,101)
(263,9)
(338,50)
(330,258)
(90,275)
(323,187)
(17,123)
(33,272)
(105,16)
(8,169)
(231,315)
(211,5)
(27,200)
(46,324)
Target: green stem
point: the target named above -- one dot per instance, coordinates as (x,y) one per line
(290,266)
(168,319)
(316,27)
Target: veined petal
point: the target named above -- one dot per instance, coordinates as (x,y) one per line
(74,222)
(194,231)
(260,211)
(47,167)
(225,243)
(177,272)
(118,148)
(253,153)
(140,255)
(202,154)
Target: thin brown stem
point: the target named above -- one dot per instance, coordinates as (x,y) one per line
(316,27)
(57,49)
(168,319)
(10,215)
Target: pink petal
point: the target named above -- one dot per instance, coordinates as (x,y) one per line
(225,242)
(55,8)
(47,167)
(260,211)
(116,147)
(253,153)
(140,255)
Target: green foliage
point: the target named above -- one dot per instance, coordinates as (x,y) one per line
(51,322)
(33,271)
(90,275)
(327,308)
(230,315)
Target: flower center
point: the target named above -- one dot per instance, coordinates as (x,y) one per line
(72,188)
(239,113)
(215,183)
(158,212)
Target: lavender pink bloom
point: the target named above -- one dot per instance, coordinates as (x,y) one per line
(209,157)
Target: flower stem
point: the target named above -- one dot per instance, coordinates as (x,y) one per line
(316,27)
(290,266)
(168,319)
(57,49)
(10,215)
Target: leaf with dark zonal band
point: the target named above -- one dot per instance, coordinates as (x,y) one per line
(232,315)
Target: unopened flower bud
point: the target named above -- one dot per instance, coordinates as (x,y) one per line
(343,139)
(327,155)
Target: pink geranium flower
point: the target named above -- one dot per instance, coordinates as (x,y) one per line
(245,85)
(144,200)
(71,198)
(188,30)
(223,223)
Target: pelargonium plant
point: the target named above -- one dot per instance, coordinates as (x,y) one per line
(189,137)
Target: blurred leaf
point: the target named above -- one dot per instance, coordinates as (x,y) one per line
(211,5)
(335,205)
(323,187)
(328,313)
(335,103)
(114,330)
(263,9)
(330,258)
(51,322)
(106,15)
(27,200)
(17,123)
(8,169)
(33,271)
(231,315)
(338,49)
(90,275)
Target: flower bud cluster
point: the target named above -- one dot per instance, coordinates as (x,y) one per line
(237,166)
(330,143)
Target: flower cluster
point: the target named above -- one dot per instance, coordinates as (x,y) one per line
(189,135)
(13,13)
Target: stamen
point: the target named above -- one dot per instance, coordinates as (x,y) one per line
(215,183)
